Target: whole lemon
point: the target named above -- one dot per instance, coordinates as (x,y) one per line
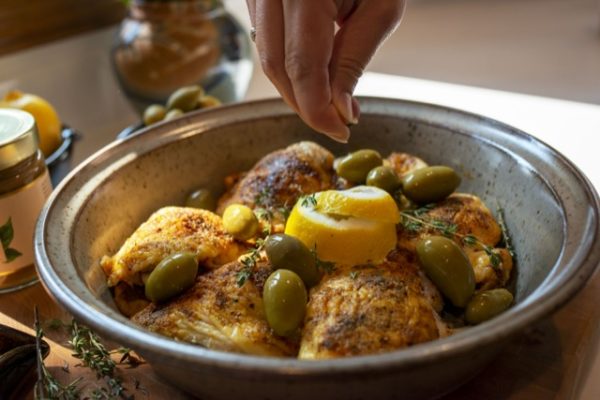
(47,120)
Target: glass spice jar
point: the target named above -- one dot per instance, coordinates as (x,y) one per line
(24,187)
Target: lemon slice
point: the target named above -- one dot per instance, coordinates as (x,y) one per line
(365,202)
(344,240)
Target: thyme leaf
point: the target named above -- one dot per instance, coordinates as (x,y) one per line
(505,234)
(309,200)
(325,266)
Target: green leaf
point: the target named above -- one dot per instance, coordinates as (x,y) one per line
(11,254)
(6,233)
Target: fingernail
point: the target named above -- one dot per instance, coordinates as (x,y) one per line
(341,137)
(345,109)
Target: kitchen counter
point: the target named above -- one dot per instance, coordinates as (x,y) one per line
(556,359)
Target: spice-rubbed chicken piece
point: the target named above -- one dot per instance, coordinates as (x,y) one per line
(170,230)
(470,217)
(403,163)
(369,309)
(281,177)
(218,314)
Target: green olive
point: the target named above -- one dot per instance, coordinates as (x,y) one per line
(487,304)
(430,184)
(154,113)
(287,252)
(355,166)
(240,222)
(284,296)
(384,178)
(172,114)
(208,101)
(172,276)
(448,267)
(201,198)
(185,98)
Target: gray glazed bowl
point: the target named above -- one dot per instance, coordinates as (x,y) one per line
(550,207)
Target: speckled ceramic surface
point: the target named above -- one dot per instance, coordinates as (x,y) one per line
(550,208)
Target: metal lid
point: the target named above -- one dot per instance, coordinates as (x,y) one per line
(18,137)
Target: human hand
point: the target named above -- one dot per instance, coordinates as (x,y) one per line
(314,68)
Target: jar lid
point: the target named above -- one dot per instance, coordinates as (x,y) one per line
(18,137)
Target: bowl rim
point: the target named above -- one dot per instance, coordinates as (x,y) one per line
(500,328)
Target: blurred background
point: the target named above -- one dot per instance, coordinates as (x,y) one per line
(63,50)
(543,47)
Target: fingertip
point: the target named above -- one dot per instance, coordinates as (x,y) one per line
(341,136)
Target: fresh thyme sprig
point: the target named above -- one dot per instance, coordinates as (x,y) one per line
(413,221)
(47,386)
(89,349)
(94,355)
(249,262)
(505,234)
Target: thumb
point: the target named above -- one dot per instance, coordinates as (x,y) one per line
(360,35)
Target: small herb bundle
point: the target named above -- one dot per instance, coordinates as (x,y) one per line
(249,262)
(87,347)
(94,355)
(417,220)
(47,386)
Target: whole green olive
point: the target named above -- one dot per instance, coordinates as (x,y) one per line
(172,276)
(208,102)
(185,98)
(430,184)
(284,296)
(154,113)
(355,166)
(487,304)
(384,178)
(240,222)
(172,114)
(448,268)
(201,198)
(288,252)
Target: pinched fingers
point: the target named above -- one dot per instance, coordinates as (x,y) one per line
(362,31)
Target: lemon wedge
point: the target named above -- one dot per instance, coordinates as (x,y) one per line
(366,202)
(350,227)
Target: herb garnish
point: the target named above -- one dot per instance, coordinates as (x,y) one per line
(325,266)
(47,386)
(354,274)
(415,220)
(505,234)
(249,262)
(87,347)
(308,200)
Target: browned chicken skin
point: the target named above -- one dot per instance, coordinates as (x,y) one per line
(367,310)
(403,163)
(218,314)
(167,231)
(281,177)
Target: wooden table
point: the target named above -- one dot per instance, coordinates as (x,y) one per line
(556,359)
